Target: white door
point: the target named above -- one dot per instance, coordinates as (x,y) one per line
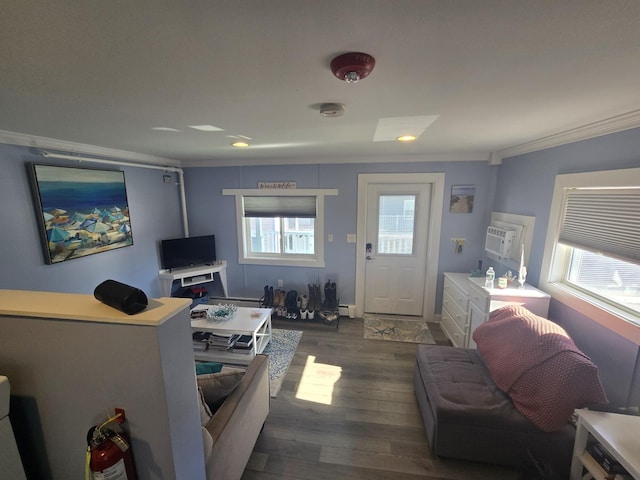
(397,223)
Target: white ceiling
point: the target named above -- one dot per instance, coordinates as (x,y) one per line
(497,74)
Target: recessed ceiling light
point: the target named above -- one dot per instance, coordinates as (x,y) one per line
(389,129)
(406,138)
(165,129)
(240,144)
(206,128)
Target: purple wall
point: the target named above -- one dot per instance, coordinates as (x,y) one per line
(211,212)
(155,214)
(525,186)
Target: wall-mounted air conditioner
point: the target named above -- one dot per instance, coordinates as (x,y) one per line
(501,241)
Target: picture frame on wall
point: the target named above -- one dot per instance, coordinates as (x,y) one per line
(81,211)
(462,197)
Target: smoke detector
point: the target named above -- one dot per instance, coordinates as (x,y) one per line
(331,109)
(352,66)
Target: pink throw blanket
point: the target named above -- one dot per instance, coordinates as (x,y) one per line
(536,362)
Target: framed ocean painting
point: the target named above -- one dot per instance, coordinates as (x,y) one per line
(81,211)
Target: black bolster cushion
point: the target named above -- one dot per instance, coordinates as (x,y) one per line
(125,298)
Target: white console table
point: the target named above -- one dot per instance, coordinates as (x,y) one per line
(193,276)
(618,435)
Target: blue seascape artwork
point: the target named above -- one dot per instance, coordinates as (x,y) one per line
(83,211)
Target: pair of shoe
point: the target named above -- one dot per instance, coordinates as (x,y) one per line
(315,298)
(303,302)
(330,296)
(328,315)
(268,298)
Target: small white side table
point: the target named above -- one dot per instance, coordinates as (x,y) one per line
(193,276)
(618,434)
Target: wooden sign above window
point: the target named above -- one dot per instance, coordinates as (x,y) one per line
(276,185)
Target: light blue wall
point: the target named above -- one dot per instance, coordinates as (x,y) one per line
(211,212)
(525,186)
(521,185)
(155,214)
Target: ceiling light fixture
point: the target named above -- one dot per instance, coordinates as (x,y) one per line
(165,129)
(207,128)
(331,109)
(352,66)
(240,144)
(406,138)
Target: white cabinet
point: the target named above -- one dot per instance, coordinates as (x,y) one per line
(455,308)
(466,304)
(618,436)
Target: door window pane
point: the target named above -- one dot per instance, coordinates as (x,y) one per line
(396,221)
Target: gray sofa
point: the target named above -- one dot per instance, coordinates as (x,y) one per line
(231,433)
(466,416)
(510,400)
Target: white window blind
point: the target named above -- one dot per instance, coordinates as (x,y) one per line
(279,206)
(603,221)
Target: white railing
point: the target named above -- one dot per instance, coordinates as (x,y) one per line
(396,223)
(395,244)
(294,242)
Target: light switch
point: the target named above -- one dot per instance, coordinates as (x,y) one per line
(330,237)
(351,238)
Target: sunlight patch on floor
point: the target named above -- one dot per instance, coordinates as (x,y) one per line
(317,381)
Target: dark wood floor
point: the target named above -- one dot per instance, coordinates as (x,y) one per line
(347,410)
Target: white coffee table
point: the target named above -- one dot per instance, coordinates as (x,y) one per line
(246,321)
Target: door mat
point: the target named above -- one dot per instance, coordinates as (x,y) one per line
(397,329)
(280,350)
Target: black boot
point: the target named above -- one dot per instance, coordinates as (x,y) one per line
(264,301)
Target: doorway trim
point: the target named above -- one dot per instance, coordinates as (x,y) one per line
(433,242)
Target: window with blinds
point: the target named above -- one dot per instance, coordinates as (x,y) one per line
(600,230)
(280,227)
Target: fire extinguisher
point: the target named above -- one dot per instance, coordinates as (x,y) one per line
(108,453)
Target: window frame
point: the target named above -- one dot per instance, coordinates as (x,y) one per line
(557,256)
(281,259)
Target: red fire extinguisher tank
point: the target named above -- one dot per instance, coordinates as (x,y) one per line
(110,457)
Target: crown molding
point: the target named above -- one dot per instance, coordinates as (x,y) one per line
(24,140)
(619,123)
(311,160)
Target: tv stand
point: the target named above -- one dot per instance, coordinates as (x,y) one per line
(193,276)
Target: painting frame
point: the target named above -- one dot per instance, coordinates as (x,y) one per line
(462,197)
(81,211)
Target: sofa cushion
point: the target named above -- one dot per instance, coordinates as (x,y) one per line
(216,387)
(205,412)
(202,368)
(536,362)
(461,391)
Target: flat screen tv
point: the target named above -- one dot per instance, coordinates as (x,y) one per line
(188,252)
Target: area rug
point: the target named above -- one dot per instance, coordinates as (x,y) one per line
(397,329)
(280,349)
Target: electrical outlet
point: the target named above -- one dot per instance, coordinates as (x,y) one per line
(351,238)
(280,283)
(330,237)
(459,243)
